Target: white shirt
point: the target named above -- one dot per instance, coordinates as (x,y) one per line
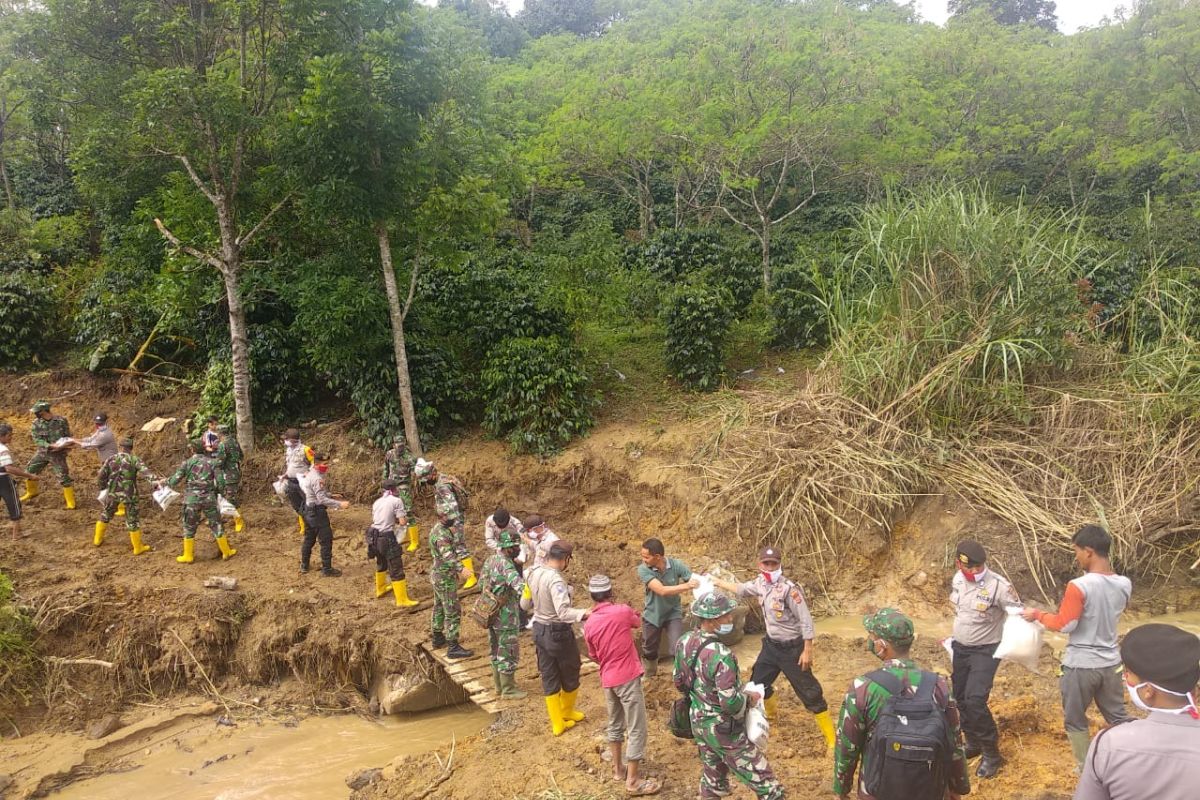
(5,457)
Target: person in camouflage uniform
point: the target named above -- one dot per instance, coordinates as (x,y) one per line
(203,483)
(502,578)
(706,671)
(889,637)
(118,476)
(46,430)
(450,505)
(448,548)
(229,459)
(398,466)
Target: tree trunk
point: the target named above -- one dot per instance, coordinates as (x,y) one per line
(646,206)
(10,198)
(239,342)
(764,239)
(396,311)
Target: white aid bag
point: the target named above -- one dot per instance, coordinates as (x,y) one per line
(102,498)
(63,442)
(758,729)
(280,487)
(706,586)
(227,508)
(948,645)
(164,496)
(1021,641)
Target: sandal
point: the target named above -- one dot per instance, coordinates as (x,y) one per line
(646,786)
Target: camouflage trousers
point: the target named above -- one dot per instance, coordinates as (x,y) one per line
(503,634)
(724,752)
(131,510)
(56,460)
(447,611)
(406,497)
(233,489)
(196,509)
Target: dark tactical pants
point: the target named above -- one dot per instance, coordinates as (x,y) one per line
(724,750)
(776,657)
(557,657)
(652,635)
(131,511)
(10,497)
(1081,685)
(56,460)
(389,556)
(196,509)
(317,529)
(974,670)
(295,495)
(447,611)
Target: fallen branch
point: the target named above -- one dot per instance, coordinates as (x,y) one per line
(447,768)
(95,662)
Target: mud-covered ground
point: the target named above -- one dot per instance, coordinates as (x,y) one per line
(286,643)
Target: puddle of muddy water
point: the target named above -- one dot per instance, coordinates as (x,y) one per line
(309,760)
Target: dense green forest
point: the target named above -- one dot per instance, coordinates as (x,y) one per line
(450,215)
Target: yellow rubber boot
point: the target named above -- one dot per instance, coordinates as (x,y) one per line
(120,510)
(227,552)
(189,552)
(135,538)
(400,589)
(32,489)
(471,581)
(771,706)
(300,519)
(413,538)
(69,497)
(825,723)
(239,524)
(98,536)
(554,710)
(567,704)
(381,584)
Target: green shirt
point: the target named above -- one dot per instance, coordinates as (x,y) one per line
(659,610)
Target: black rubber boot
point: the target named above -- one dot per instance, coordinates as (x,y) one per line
(989,765)
(458,651)
(303,569)
(438,640)
(330,572)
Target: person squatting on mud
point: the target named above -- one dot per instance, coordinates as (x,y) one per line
(317,502)
(451,560)
(554,636)
(398,464)
(47,430)
(118,484)
(501,581)
(383,544)
(8,486)
(706,672)
(203,484)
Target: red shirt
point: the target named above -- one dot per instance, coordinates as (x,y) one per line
(609,635)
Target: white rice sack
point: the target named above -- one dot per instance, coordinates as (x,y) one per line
(63,442)
(280,487)
(948,644)
(102,498)
(758,729)
(164,496)
(706,586)
(227,508)
(1021,641)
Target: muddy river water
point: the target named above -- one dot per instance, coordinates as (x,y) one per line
(200,761)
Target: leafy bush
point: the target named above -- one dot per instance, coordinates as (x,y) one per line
(798,314)
(674,255)
(17,655)
(698,316)
(536,394)
(279,385)
(27,318)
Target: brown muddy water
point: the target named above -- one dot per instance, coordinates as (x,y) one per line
(271,760)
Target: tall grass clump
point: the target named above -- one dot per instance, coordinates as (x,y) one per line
(950,305)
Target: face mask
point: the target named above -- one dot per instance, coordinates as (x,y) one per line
(972,576)
(774,576)
(725,629)
(1189,709)
(322,468)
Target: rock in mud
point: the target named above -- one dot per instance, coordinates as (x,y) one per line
(219,582)
(919,580)
(363,777)
(103,726)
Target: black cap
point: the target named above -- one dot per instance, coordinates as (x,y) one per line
(389,484)
(971,553)
(770,554)
(561,549)
(501,517)
(100,418)
(1164,655)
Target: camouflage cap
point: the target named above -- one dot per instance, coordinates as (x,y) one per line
(713,605)
(39,407)
(890,625)
(399,439)
(223,429)
(197,445)
(126,441)
(509,538)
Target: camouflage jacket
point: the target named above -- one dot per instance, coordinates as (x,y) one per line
(863,704)
(398,465)
(448,548)
(502,578)
(450,499)
(46,432)
(120,473)
(229,459)
(204,480)
(713,686)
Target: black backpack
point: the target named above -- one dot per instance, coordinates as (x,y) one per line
(910,749)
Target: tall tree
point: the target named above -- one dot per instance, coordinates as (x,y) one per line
(1042,13)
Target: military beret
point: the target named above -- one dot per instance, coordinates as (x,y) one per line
(971,553)
(561,549)
(1167,656)
(100,418)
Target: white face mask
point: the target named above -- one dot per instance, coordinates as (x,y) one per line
(1140,703)
(725,629)
(774,575)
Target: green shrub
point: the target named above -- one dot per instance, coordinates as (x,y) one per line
(798,315)
(537,395)
(698,316)
(17,655)
(279,384)
(673,255)
(27,319)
